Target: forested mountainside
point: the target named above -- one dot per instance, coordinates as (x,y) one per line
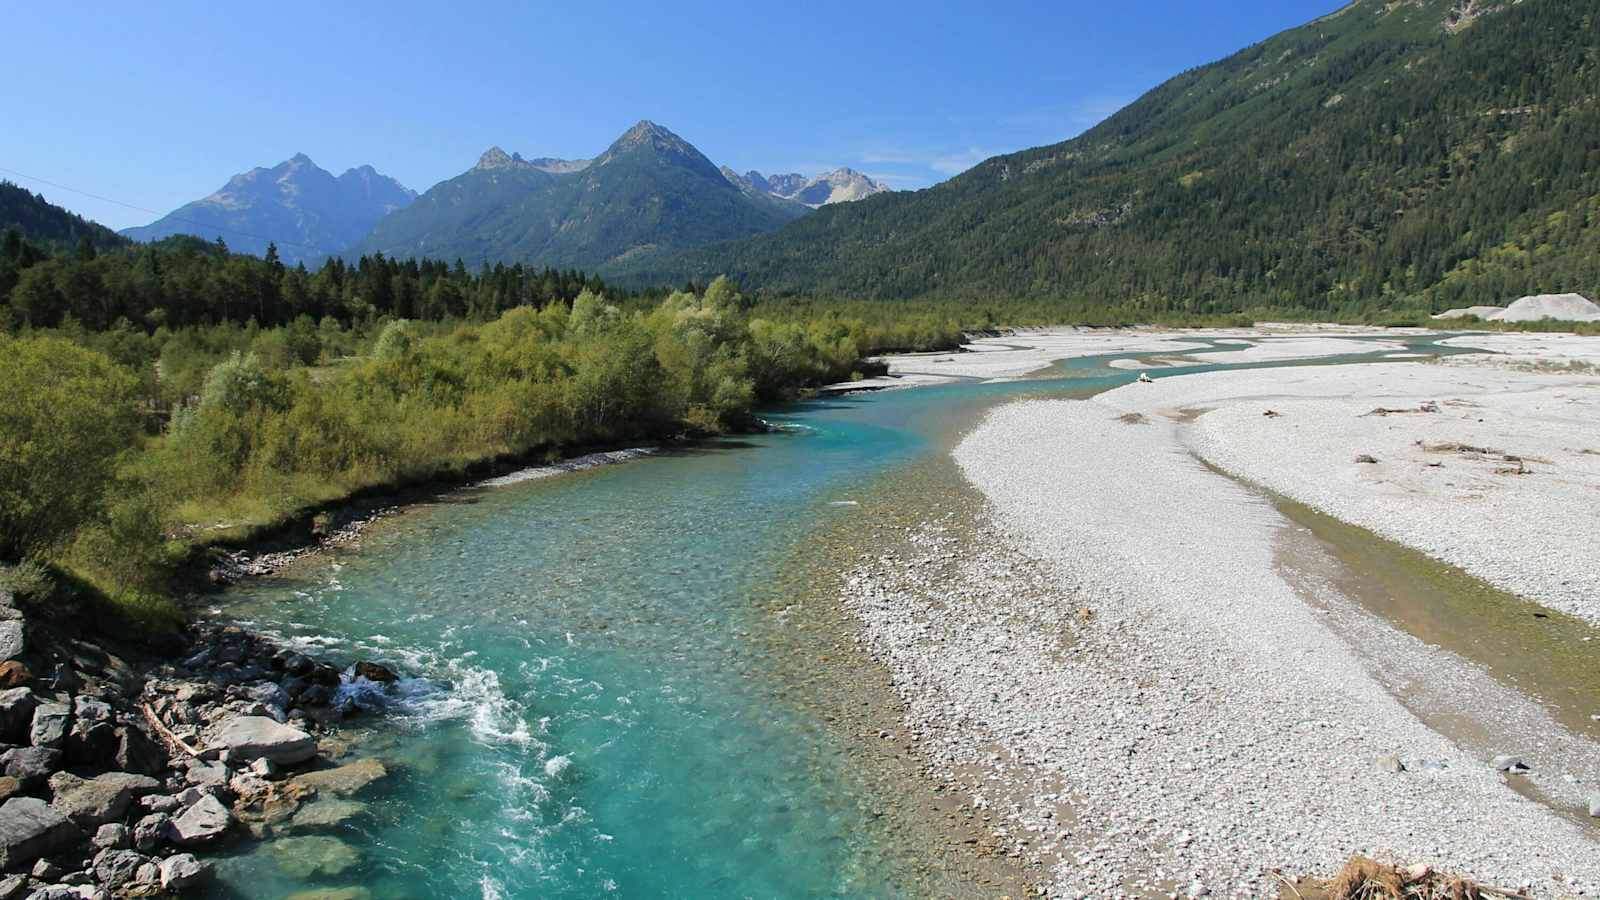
(1424,154)
(651,190)
(48,227)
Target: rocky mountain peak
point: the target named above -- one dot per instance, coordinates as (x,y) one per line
(649,135)
(495,158)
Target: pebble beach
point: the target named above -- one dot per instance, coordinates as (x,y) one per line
(1106,650)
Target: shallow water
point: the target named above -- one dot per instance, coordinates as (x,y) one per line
(597,711)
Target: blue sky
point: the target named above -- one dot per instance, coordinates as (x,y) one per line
(158,104)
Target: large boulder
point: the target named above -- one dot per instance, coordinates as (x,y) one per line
(16,714)
(201,823)
(30,765)
(29,829)
(249,738)
(89,802)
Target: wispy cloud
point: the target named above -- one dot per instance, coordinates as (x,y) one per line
(956,162)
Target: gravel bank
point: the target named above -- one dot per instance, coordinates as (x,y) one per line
(1500,478)
(1155,709)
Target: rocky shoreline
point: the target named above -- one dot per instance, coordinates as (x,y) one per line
(120,771)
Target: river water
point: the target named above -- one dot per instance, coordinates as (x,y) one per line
(595,710)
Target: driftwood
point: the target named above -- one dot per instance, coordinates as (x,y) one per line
(171,739)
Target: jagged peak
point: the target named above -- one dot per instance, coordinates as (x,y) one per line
(496,158)
(648,134)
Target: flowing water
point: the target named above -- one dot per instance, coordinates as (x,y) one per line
(596,709)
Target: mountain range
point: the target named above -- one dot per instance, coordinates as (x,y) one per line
(839,186)
(1434,153)
(650,191)
(308,212)
(1408,156)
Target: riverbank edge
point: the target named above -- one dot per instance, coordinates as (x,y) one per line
(128,764)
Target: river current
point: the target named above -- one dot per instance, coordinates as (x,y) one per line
(592,709)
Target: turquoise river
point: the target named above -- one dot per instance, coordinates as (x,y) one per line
(591,710)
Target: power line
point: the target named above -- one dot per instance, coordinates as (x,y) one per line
(159,215)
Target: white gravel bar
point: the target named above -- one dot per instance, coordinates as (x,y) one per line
(1030,350)
(1501,477)
(1200,725)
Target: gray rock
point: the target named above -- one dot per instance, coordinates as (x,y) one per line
(89,709)
(80,891)
(136,752)
(268,693)
(148,874)
(112,836)
(118,868)
(1509,763)
(16,714)
(150,831)
(29,829)
(207,776)
(12,634)
(201,823)
(1594,805)
(50,723)
(137,785)
(13,886)
(183,871)
(89,802)
(264,768)
(1391,763)
(258,737)
(45,870)
(30,765)
(91,742)
(160,803)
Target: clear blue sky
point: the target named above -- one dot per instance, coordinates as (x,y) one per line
(158,104)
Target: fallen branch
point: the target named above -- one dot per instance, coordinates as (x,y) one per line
(166,733)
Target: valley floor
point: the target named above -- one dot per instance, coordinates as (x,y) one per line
(1160,684)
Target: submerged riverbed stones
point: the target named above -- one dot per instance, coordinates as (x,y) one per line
(322,815)
(31,828)
(343,781)
(313,855)
(248,738)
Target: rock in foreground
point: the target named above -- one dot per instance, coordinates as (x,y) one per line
(250,738)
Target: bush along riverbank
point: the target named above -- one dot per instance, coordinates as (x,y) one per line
(124,452)
(123,768)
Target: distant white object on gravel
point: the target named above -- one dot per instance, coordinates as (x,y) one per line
(1482,312)
(1562,307)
